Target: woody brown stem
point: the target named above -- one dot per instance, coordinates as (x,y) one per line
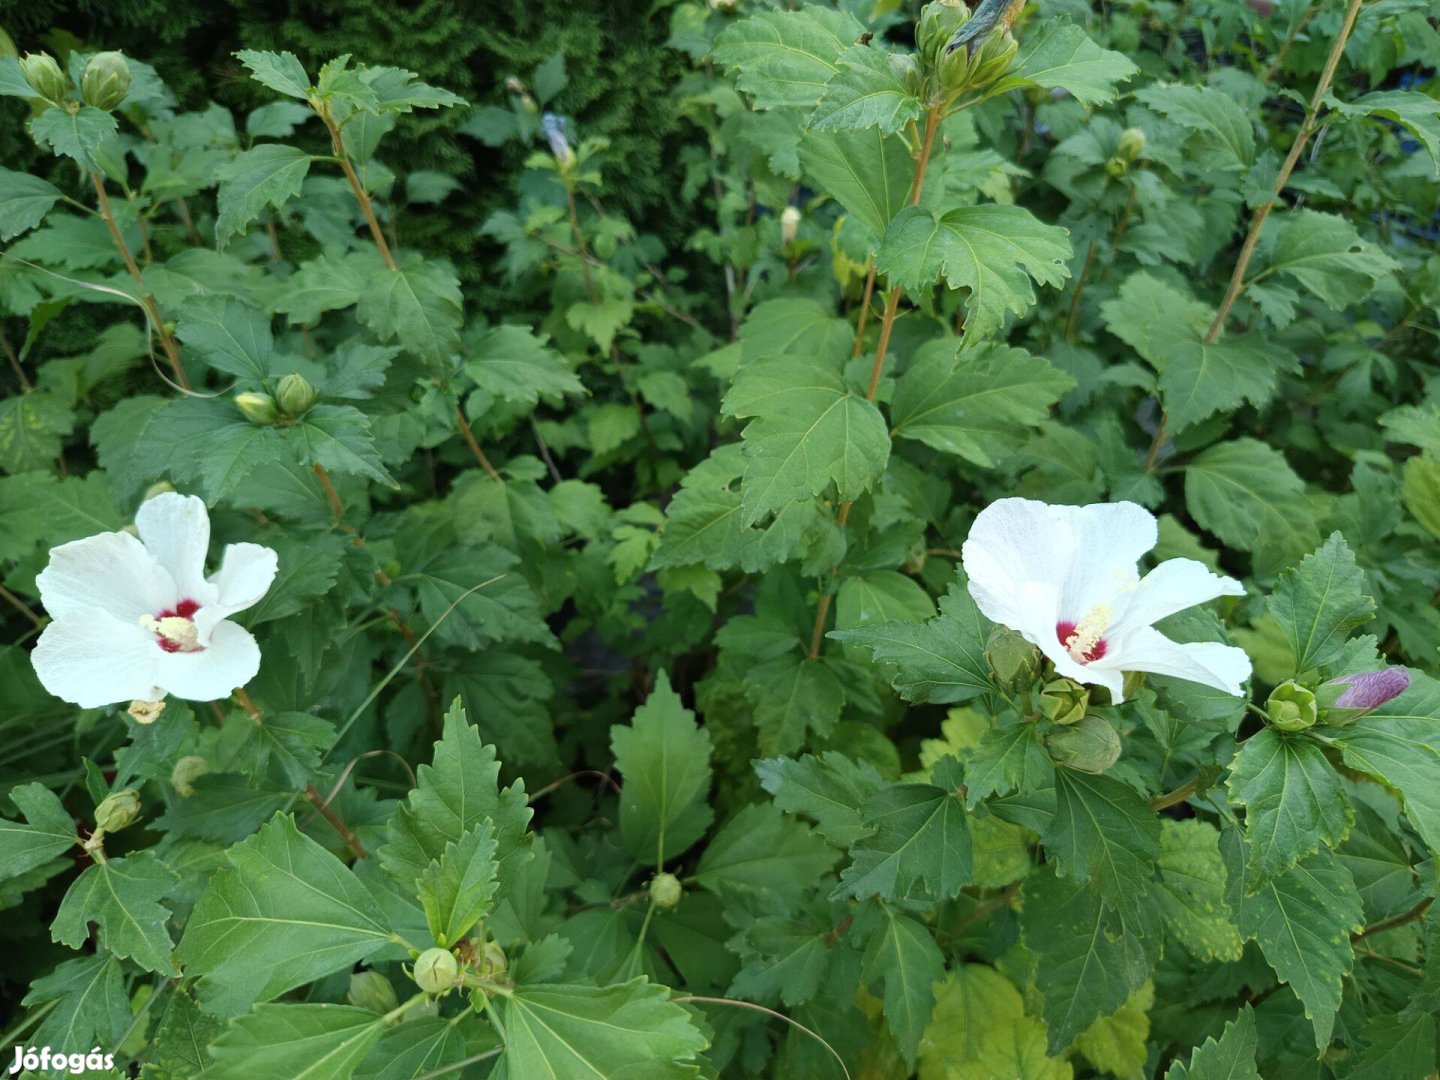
(167,340)
(336,822)
(474,444)
(337,142)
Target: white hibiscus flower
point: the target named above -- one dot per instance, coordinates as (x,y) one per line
(138,619)
(1065,578)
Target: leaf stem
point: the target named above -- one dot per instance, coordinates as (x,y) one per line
(1176,797)
(167,340)
(1417,912)
(338,142)
(323,807)
(1307,128)
(468,432)
(887,324)
(20,606)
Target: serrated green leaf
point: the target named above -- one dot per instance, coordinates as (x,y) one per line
(418,305)
(976,405)
(1061,56)
(1231,1057)
(1190,893)
(512,363)
(283,914)
(868,90)
(1325,254)
(280,71)
(1399,743)
(326,283)
(76,135)
(629,1029)
(459,791)
(24,202)
(792,696)
(1294,801)
(880,596)
(922,838)
(180,1047)
(1302,921)
(1396,1048)
(830,789)
(1008,758)
(1103,830)
(807,430)
(994,251)
(1088,961)
(122,897)
(1414,110)
(1222,129)
(1246,494)
(48,831)
(229,335)
(664,761)
(1319,602)
(401,91)
(902,955)
(761,850)
(1116,1044)
(869,172)
(457,890)
(91,1007)
(266,175)
(941,660)
(786,58)
(299,1042)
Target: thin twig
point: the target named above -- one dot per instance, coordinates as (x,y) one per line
(1417,912)
(20,606)
(336,821)
(768,1012)
(167,339)
(1307,128)
(474,445)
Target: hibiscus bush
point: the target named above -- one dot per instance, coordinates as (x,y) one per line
(954,595)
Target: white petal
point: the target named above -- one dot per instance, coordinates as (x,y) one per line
(231,660)
(110,572)
(97,660)
(245,575)
(1206,662)
(1109,539)
(176,531)
(1174,585)
(1088,554)
(1013,543)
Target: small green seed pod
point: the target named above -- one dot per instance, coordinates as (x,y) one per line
(105,81)
(117,810)
(1091,745)
(436,971)
(45,76)
(294,395)
(258,408)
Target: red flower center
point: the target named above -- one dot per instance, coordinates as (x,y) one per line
(1066,630)
(185,609)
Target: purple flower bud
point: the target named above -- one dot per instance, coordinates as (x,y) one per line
(1371,689)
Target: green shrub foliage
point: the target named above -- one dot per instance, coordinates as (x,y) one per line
(659,677)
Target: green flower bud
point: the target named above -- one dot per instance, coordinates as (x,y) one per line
(1091,745)
(159,488)
(294,395)
(993,60)
(46,76)
(1291,707)
(187,770)
(258,408)
(493,963)
(105,81)
(371,990)
(789,225)
(1064,701)
(1014,660)
(436,971)
(665,890)
(1117,166)
(1131,144)
(117,810)
(938,23)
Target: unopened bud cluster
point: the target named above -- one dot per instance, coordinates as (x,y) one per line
(103,84)
(972,66)
(292,399)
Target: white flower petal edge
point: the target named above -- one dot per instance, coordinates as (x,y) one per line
(1065,577)
(138,619)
